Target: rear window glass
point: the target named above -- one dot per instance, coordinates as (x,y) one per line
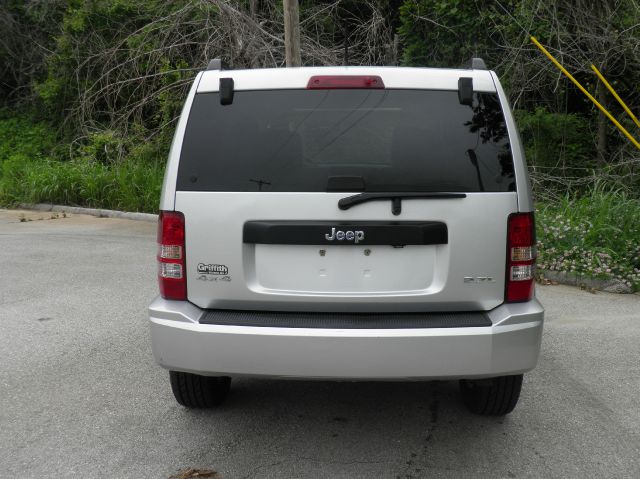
(388,140)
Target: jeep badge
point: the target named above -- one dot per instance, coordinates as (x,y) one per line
(355,236)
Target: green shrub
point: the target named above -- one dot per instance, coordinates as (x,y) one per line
(449,46)
(104,147)
(556,142)
(21,135)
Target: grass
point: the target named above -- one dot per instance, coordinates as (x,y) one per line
(33,169)
(126,186)
(596,235)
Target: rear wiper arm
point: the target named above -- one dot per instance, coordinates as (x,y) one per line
(396,199)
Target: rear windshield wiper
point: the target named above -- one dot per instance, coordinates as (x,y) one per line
(396,199)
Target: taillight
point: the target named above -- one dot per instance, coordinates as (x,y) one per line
(332,82)
(521,257)
(171,255)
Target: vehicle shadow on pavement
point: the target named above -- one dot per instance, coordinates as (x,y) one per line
(403,428)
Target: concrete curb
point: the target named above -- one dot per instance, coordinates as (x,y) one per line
(91,211)
(572,279)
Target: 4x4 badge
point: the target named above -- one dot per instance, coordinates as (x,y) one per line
(355,236)
(478,279)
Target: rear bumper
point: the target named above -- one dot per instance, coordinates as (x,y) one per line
(509,346)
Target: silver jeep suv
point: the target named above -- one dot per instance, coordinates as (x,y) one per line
(347,223)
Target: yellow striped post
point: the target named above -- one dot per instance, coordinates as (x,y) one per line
(588,95)
(615,94)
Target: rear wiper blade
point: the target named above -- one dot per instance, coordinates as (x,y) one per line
(396,199)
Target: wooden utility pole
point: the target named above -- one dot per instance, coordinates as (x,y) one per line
(292,33)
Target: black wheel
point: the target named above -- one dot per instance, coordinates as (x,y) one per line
(195,391)
(491,397)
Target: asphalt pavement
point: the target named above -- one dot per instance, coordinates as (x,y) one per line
(80,395)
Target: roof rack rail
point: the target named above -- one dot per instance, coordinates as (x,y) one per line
(215,64)
(476,63)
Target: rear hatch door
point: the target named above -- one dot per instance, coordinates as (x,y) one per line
(346,200)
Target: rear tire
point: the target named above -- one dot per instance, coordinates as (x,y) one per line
(195,391)
(491,397)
